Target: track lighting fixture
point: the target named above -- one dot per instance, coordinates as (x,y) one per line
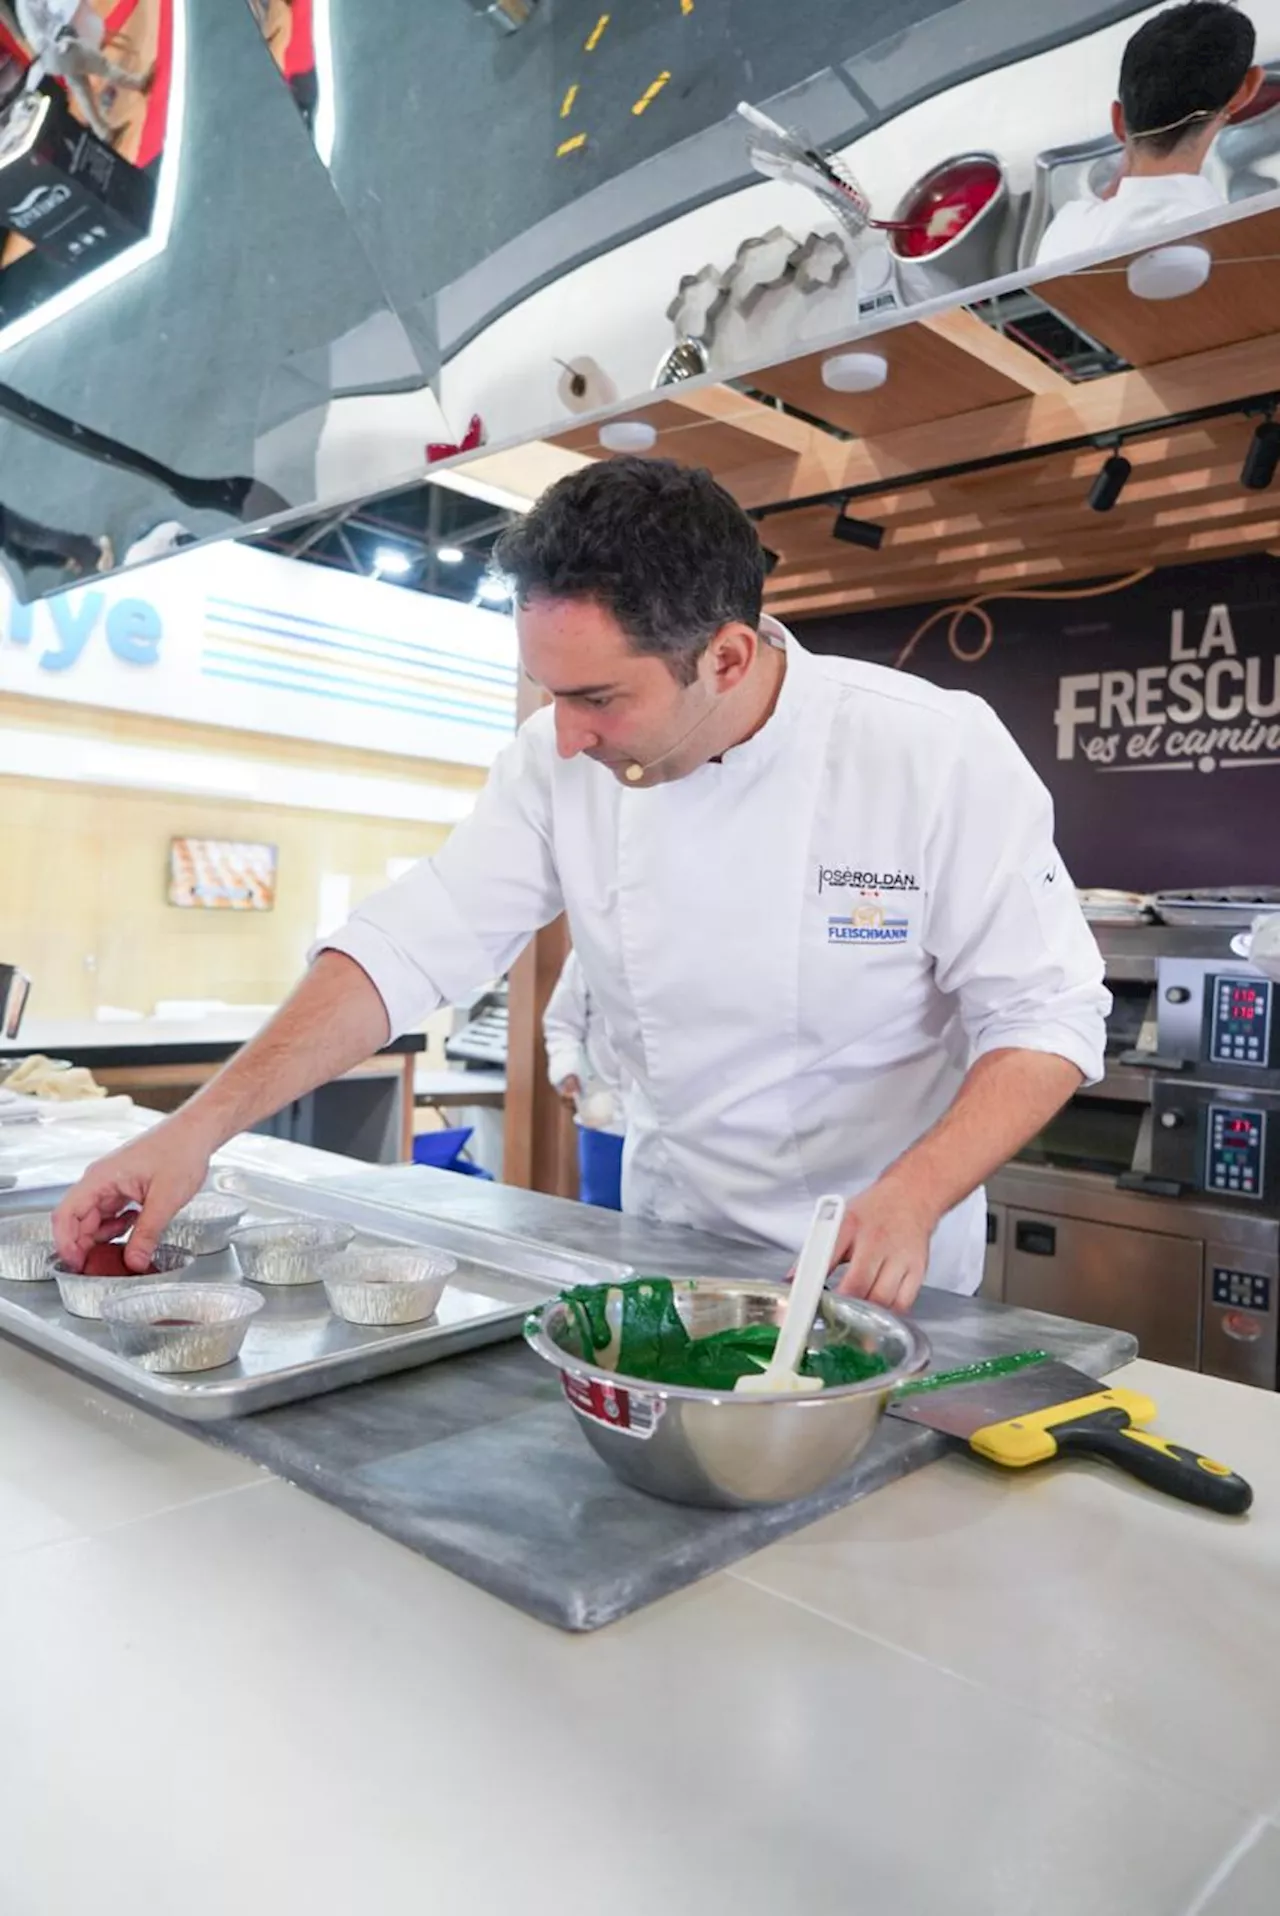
(1110,483)
(857,532)
(1260,462)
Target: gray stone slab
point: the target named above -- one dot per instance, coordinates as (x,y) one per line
(479,1465)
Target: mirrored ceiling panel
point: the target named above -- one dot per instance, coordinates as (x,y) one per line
(181,296)
(569,206)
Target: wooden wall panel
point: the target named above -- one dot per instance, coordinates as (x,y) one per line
(83,868)
(539,1147)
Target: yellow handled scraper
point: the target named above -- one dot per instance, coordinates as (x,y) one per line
(1026,1409)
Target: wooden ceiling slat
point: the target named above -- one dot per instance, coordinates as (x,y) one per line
(930,378)
(1102,406)
(958,392)
(1237,302)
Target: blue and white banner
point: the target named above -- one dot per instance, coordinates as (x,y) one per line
(230,635)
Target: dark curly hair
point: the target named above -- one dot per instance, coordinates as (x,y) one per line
(661,546)
(1187,60)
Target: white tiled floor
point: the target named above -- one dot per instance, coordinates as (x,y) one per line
(364,1732)
(74,1461)
(1100,1606)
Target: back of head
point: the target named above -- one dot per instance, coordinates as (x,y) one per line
(1181,70)
(661,546)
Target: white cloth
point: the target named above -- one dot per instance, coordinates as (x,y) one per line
(579,1046)
(1264,945)
(798,950)
(1135,215)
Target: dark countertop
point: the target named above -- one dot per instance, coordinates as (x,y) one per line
(156,1041)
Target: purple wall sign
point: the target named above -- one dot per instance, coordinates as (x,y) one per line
(1152,714)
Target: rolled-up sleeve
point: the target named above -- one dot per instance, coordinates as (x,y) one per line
(461,918)
(1004,924)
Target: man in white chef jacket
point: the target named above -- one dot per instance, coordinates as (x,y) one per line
(818,901)
(1186,72)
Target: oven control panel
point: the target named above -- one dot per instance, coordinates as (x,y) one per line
(1239,1020)
(1235,1151)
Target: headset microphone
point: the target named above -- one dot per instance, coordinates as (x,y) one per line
(634,773)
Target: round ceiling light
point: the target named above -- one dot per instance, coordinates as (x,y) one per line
(628,435)
(855,372)
(1171,272)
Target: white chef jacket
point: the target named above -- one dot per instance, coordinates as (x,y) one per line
(578,1042)
(798,949)
(1136,215)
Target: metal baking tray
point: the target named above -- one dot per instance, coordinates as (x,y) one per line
(296,1348)
(1233,905)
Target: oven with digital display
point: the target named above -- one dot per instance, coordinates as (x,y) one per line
(1239,1020)
(1217,1138)
(1218,1016)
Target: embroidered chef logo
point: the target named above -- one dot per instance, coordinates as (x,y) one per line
(870,921)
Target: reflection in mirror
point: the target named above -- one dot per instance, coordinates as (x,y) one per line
(605,227)
(1187,77)
(959,457)
(91,116)
(177,309)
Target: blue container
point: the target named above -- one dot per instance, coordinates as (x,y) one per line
(600,1168)
(443,1150)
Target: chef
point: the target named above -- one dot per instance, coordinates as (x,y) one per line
(1185,73)
(583,1069)
(818,901)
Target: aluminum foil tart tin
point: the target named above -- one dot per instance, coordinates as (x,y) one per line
(205,1225)
(385,1284)
(180,1327)
(289,1251)
(26,1246)
(84,1296)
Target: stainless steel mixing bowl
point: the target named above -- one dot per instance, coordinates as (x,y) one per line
(718,1448)
(180,1327)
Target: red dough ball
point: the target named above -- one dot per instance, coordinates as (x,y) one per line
(107,1260)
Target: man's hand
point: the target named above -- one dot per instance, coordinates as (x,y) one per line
(569,1090)
(159,1173)
(885,1237)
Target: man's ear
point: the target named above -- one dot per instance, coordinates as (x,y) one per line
(1246,93)
(732,651)
(1117,122)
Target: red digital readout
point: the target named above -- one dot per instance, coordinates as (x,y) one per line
(1238,1127)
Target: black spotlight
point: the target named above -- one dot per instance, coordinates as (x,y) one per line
(1110,483)
(1262,458)
(858,532)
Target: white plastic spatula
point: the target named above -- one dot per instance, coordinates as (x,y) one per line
(783,1373)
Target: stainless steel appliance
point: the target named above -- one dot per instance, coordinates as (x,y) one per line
(479,1037)
(1152,1202)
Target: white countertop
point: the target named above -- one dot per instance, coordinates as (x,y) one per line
(973,1694)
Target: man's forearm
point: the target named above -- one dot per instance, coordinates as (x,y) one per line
(335,1019)
(1007,1096)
